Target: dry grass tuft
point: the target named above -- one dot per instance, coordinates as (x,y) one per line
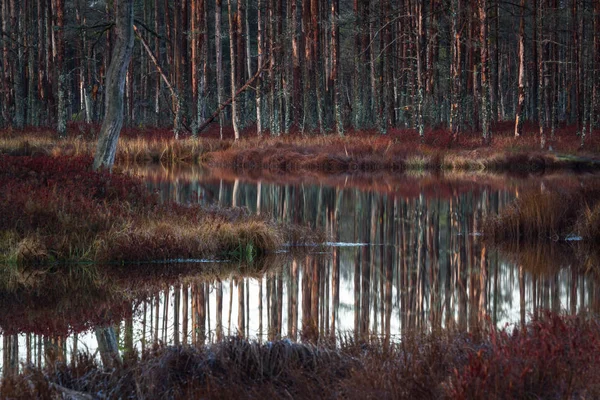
(544,214)
(588,223)
(31,250)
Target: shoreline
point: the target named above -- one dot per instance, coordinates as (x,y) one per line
(550,356)
(327,154)
(56,209)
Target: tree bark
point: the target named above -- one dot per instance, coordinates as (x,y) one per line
(107,342)
(485,86)
(219,61)
(232,63)
(540,67)
(335,46)
(260,50)
(296,67)
(595,120)
(455,70)
(115,86)
(420,41)
(522,82)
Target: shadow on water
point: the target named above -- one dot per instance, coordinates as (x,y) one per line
(424,266)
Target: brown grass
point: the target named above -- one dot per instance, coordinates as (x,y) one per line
(358,151)
(57,209)
(549,214)
(551,357)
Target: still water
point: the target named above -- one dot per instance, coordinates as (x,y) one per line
(405,252)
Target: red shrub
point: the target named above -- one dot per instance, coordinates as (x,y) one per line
(552,357)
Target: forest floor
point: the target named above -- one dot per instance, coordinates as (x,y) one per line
(399,150)
(551,357)
(56,209)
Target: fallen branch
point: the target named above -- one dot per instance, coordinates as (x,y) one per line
(221,107)
(71,394)
(174,94)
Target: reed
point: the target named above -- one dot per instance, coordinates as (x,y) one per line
(357,151)
(56,209)
(549,214)
(552,356)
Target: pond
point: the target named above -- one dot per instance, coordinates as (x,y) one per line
(405,252)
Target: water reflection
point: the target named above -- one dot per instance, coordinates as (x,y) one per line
(424,266)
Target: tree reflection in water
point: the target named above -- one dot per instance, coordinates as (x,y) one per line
(405,258)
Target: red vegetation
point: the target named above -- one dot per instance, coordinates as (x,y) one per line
(549,213)
(50,312)
(58,209)
(551,357)
(358,151)
(59,204)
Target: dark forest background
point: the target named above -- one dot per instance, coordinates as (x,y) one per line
(320,66)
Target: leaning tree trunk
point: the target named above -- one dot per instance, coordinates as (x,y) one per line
(115,86)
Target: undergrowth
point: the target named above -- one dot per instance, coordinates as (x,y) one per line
(56,209)
(546,214)
(553,356)
(367,151)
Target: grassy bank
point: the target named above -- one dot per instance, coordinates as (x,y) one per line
(56,209)
(399,150)
(550,214)
(552,357)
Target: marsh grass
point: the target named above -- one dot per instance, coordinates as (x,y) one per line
(56,209)
(553,356)
(358,151)
(549,214)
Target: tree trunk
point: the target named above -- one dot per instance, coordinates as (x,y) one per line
(296,68)
(219,55)
(420,41)
(198,61)
(156,51)
(195,44)
(260,51)
(455,70)
(335,46)
(595,120)
(485,86)
(107,340)
(540,67)
(16,10)
(232,63)
(175,97)
(522,82)
(115,86)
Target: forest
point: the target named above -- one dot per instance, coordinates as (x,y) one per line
(312,66)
